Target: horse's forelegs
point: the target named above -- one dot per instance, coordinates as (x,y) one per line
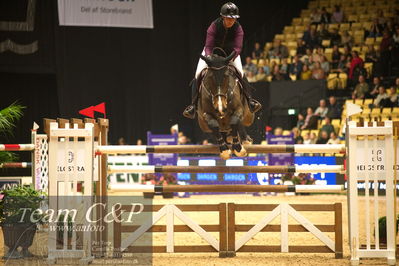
(238,149)
(225,152)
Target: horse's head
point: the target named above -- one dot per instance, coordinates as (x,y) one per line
(218,71)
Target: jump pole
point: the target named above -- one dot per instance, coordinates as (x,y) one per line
(228,188)
(227,169)
(16,165)
(213,149)
(17,147)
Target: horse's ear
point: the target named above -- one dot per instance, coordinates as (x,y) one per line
(231,56)
(206,59)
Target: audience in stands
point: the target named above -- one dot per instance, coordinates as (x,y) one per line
(310,119)
(346,39)
(322,109)
(327,126)
(325,17)
(261,75)
(306,74)
(251,76)
(296,67)
(315,16)
(338,15)
(249,66)
(323,138)
(393,98)
(382,98)
(333,138)
(301,121)
(334,109)
(396,85)
(306,138)
(335,57)
(318,72)
(301,48)
(374,87)
(257,53)
(361,89)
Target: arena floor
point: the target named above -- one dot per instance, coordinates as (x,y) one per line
(241,258)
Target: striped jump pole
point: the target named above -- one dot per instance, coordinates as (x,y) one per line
(213,149)
(16,165)
(228,188)
(17,147)
(227,169)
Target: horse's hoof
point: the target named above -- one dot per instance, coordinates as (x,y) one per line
(248,141)
(241,153)
(225,155)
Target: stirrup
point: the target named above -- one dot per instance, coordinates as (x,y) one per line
(254,105)
(189,112)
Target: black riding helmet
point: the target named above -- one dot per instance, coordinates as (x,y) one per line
(229,10)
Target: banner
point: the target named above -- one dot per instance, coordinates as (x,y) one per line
(106,13)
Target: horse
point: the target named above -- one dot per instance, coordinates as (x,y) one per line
(222,106)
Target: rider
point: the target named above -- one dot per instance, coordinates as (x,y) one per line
(226,33)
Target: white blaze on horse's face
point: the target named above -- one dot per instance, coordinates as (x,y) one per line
(220,105)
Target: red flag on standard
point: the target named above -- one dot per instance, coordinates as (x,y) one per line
(89,111)
(100,108)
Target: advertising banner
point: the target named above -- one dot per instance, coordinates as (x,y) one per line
(106,13)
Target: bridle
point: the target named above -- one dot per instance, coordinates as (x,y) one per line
(228,95)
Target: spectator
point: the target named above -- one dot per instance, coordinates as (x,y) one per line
(385,53)
(322,110)
(375,29)
(346,39)
(333,139)
(313,138)
(265,64)
(296,67)
(323,138)
(393,98)
(306,138)
(355,62)
(342,64)
(389,26)
(284,69)
(249,66)
(139,142)
(374,87)
(261,76)
(310,121)
(306,74)
(335,37)
(337,15)
(396,86)
(280,51)
(251,76)
(361,89)
(257,53)
(381,98)
(276,75)
(327,126)
(311,63)
(317,56)
(317,72)
(301,121)
(325,17)
(336,55)
(306,56)
(395,48)
(121,141)
(297,136)
(311,38)
(301,48)
(324,34)
(315,16)
(325,65)
(334,109)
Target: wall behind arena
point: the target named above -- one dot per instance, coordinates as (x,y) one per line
(141,74)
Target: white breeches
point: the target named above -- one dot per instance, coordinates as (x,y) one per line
(201,65)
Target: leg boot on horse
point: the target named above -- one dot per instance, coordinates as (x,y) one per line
(190,110)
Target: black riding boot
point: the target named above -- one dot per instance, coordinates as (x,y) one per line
(189,112)
(254,105)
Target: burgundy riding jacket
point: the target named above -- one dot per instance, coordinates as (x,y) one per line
(228,39)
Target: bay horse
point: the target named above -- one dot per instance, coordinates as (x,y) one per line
(222,107)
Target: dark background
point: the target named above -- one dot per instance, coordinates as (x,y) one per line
(141,74)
